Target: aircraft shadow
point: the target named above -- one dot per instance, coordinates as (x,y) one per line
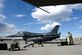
(51,43)
(19,50)
(59,43)
(22,49)
(70,45)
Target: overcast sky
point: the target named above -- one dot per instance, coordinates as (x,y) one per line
(16,15)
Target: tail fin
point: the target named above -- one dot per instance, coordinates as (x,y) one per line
(55,29)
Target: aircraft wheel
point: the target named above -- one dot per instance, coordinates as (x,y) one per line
(10,49)
(18,48)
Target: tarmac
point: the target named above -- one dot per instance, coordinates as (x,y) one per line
(48,49)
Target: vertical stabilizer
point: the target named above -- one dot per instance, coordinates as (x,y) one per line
(55,29)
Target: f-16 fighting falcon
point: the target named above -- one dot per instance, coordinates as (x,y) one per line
(38,37)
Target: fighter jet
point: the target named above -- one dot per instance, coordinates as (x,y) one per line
(38,37)
(39,3)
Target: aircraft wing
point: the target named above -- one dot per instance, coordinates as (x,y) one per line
(39,3)
(35,39)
